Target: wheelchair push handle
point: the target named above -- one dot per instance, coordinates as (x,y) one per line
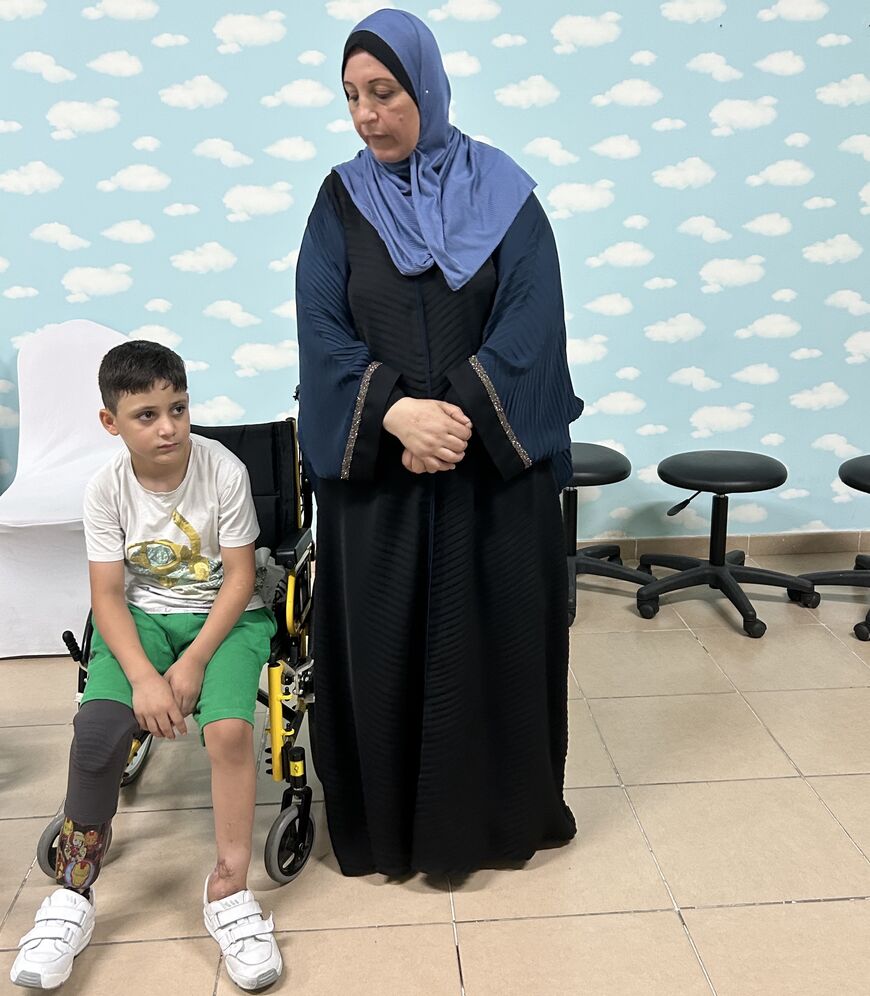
(72,646)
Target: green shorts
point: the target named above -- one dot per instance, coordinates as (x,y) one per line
(229,687)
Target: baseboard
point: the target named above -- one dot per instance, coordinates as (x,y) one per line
(760,545)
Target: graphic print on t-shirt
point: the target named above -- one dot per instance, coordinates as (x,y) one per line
(169,564)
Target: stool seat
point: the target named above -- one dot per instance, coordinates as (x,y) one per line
(856,473)
(594,464)
(722,471)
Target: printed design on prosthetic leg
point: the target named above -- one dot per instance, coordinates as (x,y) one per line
(80,852)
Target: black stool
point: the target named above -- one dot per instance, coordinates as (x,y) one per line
(855,473)
(593,465)
(721,472)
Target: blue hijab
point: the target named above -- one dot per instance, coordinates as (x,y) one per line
(452,201)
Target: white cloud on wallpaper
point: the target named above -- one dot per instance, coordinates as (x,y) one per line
(7,127)
(704,227)
(158,304)
(550,149)
(84,282)
(33,178)
(659,283)
(785,63)
(12,10)
(692,11)
(622,254)
(629,93)
(293,149)
(680,328)
(617,403)
(120,63)
(146,143)
(692,173)
(782,173)
(713,419)
(139,178)
(719,274)
(774,326)
(246,202)
(852,90)
(805,353)
(43,65)
(464,10)
(198,92)
(133,232)
(834,442)
(222,150)
(311,57)
(461,64)
(581,31)
(827,395)
(715,65)
(122,10)
(643,58)
(71,118)
(238,31)
(179,210)
(156,333)
(815,203)
(168,40)
(610,304)
(300,93)
(838,249)
(285,262)
(252,358)
(772,224)
(858,347)
(572,198)
(857,144)
(741,115)
(797,139)
(795,10)
(535,91)
(830,40)
(509,41)
(637,221)
(668,124)
(56,233)
(694,377)
(617,147)
(232,312)
(220,410)
(18,292)
(758,374)
(591,350)
(210,257)
(850,300)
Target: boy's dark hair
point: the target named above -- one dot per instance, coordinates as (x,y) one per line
(136,366)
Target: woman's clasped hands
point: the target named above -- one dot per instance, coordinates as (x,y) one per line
(435,434)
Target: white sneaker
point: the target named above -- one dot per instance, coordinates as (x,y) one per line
(62,929)
(247,940)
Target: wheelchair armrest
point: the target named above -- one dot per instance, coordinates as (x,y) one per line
(293,549)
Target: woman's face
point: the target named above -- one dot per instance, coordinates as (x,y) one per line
(384,114)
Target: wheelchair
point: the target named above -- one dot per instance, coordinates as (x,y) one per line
(283,499)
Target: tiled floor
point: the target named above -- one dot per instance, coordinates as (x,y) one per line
(722,792)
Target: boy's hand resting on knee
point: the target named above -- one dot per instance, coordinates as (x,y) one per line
(185,679)
(155,707)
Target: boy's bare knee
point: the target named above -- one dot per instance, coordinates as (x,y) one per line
(229,740)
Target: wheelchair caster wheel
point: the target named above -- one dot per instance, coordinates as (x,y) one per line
(286,854)
(46,849)
(755,628)
(137,762)
(648,608)
(862,631)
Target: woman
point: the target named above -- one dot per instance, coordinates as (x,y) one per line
(434,411)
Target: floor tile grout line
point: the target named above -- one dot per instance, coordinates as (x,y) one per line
(659,869)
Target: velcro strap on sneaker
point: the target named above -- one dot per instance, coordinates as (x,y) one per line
(226,917)
(255,928)
(48,932)
(66,913)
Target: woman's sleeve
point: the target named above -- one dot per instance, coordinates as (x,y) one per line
(517,390)
(344,393)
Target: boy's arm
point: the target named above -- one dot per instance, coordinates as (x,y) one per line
(153,702)
(186,674)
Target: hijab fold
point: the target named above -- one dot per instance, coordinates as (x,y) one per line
(452,201)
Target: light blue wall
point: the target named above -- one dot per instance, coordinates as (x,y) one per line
(714,272)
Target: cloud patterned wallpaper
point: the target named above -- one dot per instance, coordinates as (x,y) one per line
(705,165)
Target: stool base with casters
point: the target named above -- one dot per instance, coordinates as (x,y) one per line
(721,472)
(593,465)
(858,577)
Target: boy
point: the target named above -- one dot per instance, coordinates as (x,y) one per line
(178,630)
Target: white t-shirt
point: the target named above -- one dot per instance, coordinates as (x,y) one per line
(170,542)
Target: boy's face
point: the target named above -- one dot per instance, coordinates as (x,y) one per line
(154,424)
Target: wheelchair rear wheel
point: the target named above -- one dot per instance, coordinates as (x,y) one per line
(46,849)
(285,854)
